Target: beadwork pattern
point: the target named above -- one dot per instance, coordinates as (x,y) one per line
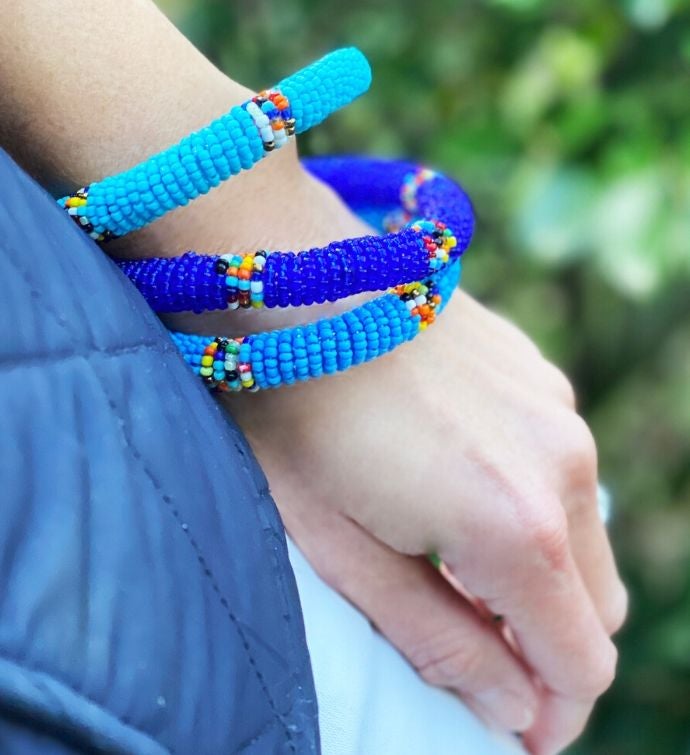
(283,357)
(270,110)
(236,141)
(194,282)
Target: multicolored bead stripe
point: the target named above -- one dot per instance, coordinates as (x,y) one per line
(272,117)
(194,282)
(234,142)
(284,357)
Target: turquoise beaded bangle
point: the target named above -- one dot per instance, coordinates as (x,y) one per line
(284,357)
(234,142)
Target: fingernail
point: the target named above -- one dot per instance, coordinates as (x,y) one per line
(509,710)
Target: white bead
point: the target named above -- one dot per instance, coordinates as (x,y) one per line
(255,111)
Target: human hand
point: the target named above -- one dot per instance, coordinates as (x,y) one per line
(465,444)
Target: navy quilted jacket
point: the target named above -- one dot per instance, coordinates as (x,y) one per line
(147,604)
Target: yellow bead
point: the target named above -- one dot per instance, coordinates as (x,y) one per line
(423,325)
(206,361)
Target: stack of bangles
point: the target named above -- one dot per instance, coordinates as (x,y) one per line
(426,220)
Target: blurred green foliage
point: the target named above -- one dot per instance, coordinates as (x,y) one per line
(569,123)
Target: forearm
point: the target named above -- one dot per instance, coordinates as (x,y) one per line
(82,97)
(81,100)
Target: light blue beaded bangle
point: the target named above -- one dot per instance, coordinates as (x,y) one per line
(236,141)
(283,357)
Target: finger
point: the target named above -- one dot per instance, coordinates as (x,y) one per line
(559,722)
(594,557)
(435,628)
(589,540)
(527,574)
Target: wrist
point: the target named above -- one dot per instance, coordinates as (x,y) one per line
(277,205)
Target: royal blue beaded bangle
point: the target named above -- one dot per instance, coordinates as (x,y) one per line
(283,357)
(439,233)
(236,141)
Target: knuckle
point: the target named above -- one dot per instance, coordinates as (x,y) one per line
(444,660)
(543,530)
(579,458)
(561,385)
(538,526)
(616,610)
(598,674)
(549,538)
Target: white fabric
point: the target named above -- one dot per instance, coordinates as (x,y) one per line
(371,701)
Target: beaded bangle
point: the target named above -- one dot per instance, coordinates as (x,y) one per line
(283,357)
(417,248)
(268,360)
(236,141)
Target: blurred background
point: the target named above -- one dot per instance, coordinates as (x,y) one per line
(569,124)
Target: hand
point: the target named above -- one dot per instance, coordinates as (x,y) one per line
(465,443)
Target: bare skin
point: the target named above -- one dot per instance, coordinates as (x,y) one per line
(466,443)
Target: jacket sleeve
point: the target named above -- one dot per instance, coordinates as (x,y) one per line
(147,604)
